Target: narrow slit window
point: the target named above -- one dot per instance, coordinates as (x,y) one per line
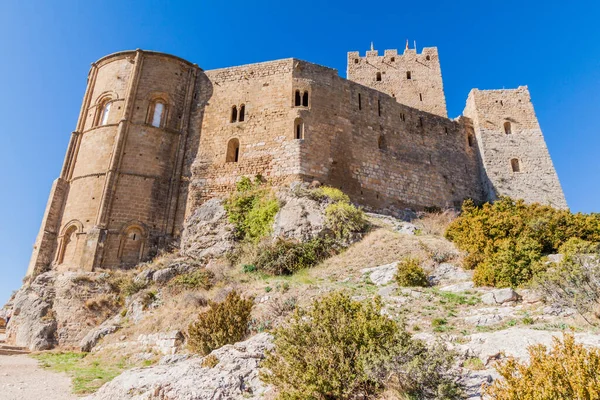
(470,139)
(402,117)
(299,129)
(379,107)
(234,114)
(157,114)
(305,99)
(381,142)
(298,99)
(421,96)
(514,163)
(359,102)
(421,122)
(507,128)
(408,75)
(105,113)
(242,113)
(378,77)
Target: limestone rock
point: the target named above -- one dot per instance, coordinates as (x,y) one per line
(207,232)
(500,296)
(489,315)
(457,287)
(300,218)
(514,342)
(449,273)
(383,274)
(93,337)
(234,377)
(164,275)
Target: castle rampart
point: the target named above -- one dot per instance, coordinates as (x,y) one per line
(157,136)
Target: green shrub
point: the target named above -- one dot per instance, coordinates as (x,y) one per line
(251,209)
(286,256)
(224,323)
(574,281)
(331,193)
(197,279)
(342,349)
(410,273)
(567,371)
(344,219)
(506,239)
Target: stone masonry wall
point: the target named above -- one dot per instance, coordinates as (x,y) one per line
(381,152)
(414,80)
(536,180)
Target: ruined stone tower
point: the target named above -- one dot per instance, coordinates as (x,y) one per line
(157,136)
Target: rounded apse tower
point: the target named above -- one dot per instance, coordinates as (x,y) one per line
(115,201)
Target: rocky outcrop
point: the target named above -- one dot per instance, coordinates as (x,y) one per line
(53,310)
(500,296)
(235,376)
(93,337)
(300,218)
(207,231)
(381,275)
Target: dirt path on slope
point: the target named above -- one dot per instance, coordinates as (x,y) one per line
(21,378)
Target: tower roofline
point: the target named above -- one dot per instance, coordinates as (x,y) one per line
(126,53)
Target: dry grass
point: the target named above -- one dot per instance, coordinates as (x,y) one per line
(435,223)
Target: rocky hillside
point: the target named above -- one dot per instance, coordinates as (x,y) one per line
(283,249)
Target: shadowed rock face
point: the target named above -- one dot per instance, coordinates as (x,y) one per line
(184,378)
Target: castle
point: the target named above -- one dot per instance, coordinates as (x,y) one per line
(157,136)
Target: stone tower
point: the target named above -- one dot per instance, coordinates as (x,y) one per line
(412,79)
(115,200)
(513,152)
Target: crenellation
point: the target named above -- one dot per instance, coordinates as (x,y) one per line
(157,136)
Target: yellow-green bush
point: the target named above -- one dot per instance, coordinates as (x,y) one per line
(410,273)
(251,209)
(566,371)
(287,256)
(197,279)
(341,348)
(504,240)
(344,219)
(331,193)
(574,281)
(224,323)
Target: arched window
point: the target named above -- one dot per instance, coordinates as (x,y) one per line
(104,112)
(428,58)
(234,114)
(378,77)
(305,99)
(298,99)
(470,139)
(408,75)
(69,246)
(507,128)
(242,113)
(514,163)
(299,129)
(233,150)
(158,112)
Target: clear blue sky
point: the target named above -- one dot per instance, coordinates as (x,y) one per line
(46,48)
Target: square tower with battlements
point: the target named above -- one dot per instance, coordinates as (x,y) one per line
(412,79)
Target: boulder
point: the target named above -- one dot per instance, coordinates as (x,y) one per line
(383,274)
(300,218)
(449,273)
(500,296)
(457,287)
(93,337)
(207,232)
(234,377)
(164,275)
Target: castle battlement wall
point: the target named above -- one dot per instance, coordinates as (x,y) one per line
(157,136)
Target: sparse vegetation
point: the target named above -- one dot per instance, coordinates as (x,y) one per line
(474,364)
(88,375)
(252,209)
(574,281)
(340,349)
(196,279)
(344,220)
(210,361)
(566,371)
(506,239)
(410,273)
(330,193)
(286,256)
(224,323)
(435,223)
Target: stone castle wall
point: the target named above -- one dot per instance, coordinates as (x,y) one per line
(130,180)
